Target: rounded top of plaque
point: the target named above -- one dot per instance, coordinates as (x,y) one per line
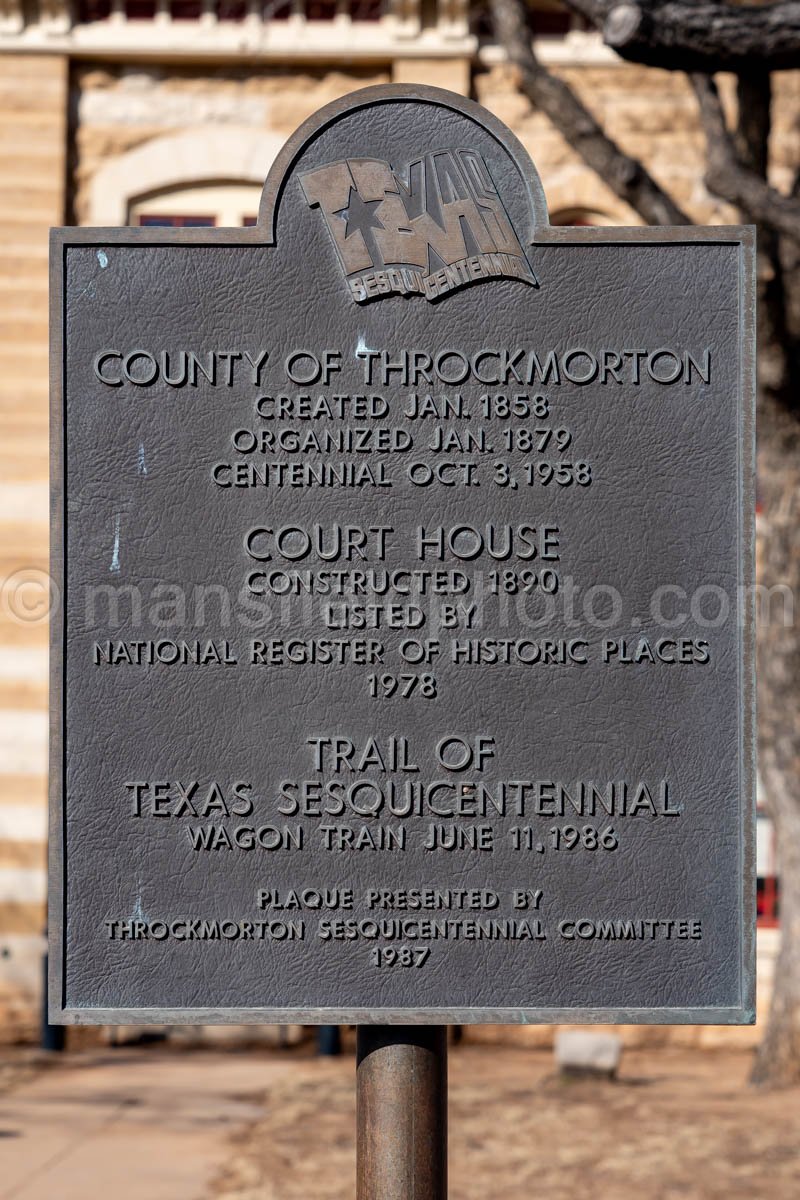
(397,168)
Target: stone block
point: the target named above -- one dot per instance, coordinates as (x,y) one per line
(588,1052)
(451,73)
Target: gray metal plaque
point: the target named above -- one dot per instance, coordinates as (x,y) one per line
(403,669)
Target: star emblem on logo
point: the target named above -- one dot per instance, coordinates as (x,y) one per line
(359,216)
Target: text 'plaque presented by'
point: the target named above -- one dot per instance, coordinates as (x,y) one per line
(403,663)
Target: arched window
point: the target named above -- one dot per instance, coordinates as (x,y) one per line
(224,205)
(582,216)
(177,176)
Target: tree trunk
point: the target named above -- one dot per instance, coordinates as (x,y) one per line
(778,1059)
(732,179)
(747,40)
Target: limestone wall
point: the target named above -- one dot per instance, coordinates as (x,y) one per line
(118,109)
(651,114)
(33,93)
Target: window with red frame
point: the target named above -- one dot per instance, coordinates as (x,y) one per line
(155,220)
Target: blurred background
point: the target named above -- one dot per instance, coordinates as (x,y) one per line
(170,113)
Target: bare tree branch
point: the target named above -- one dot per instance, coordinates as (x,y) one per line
(626,176)
(728,178)
(679,35)
(754,118)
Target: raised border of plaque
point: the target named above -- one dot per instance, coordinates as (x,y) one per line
(541,233)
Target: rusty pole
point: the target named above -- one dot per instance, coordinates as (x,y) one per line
(402,1112)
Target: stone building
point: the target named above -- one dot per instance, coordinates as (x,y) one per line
(170,112)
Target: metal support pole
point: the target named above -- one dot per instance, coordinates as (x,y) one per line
(329,1040)
(402,1112)
(52,1035)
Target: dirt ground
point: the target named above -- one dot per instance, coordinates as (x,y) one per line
(676,1125)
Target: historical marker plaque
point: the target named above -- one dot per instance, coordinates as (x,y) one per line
(403,669)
